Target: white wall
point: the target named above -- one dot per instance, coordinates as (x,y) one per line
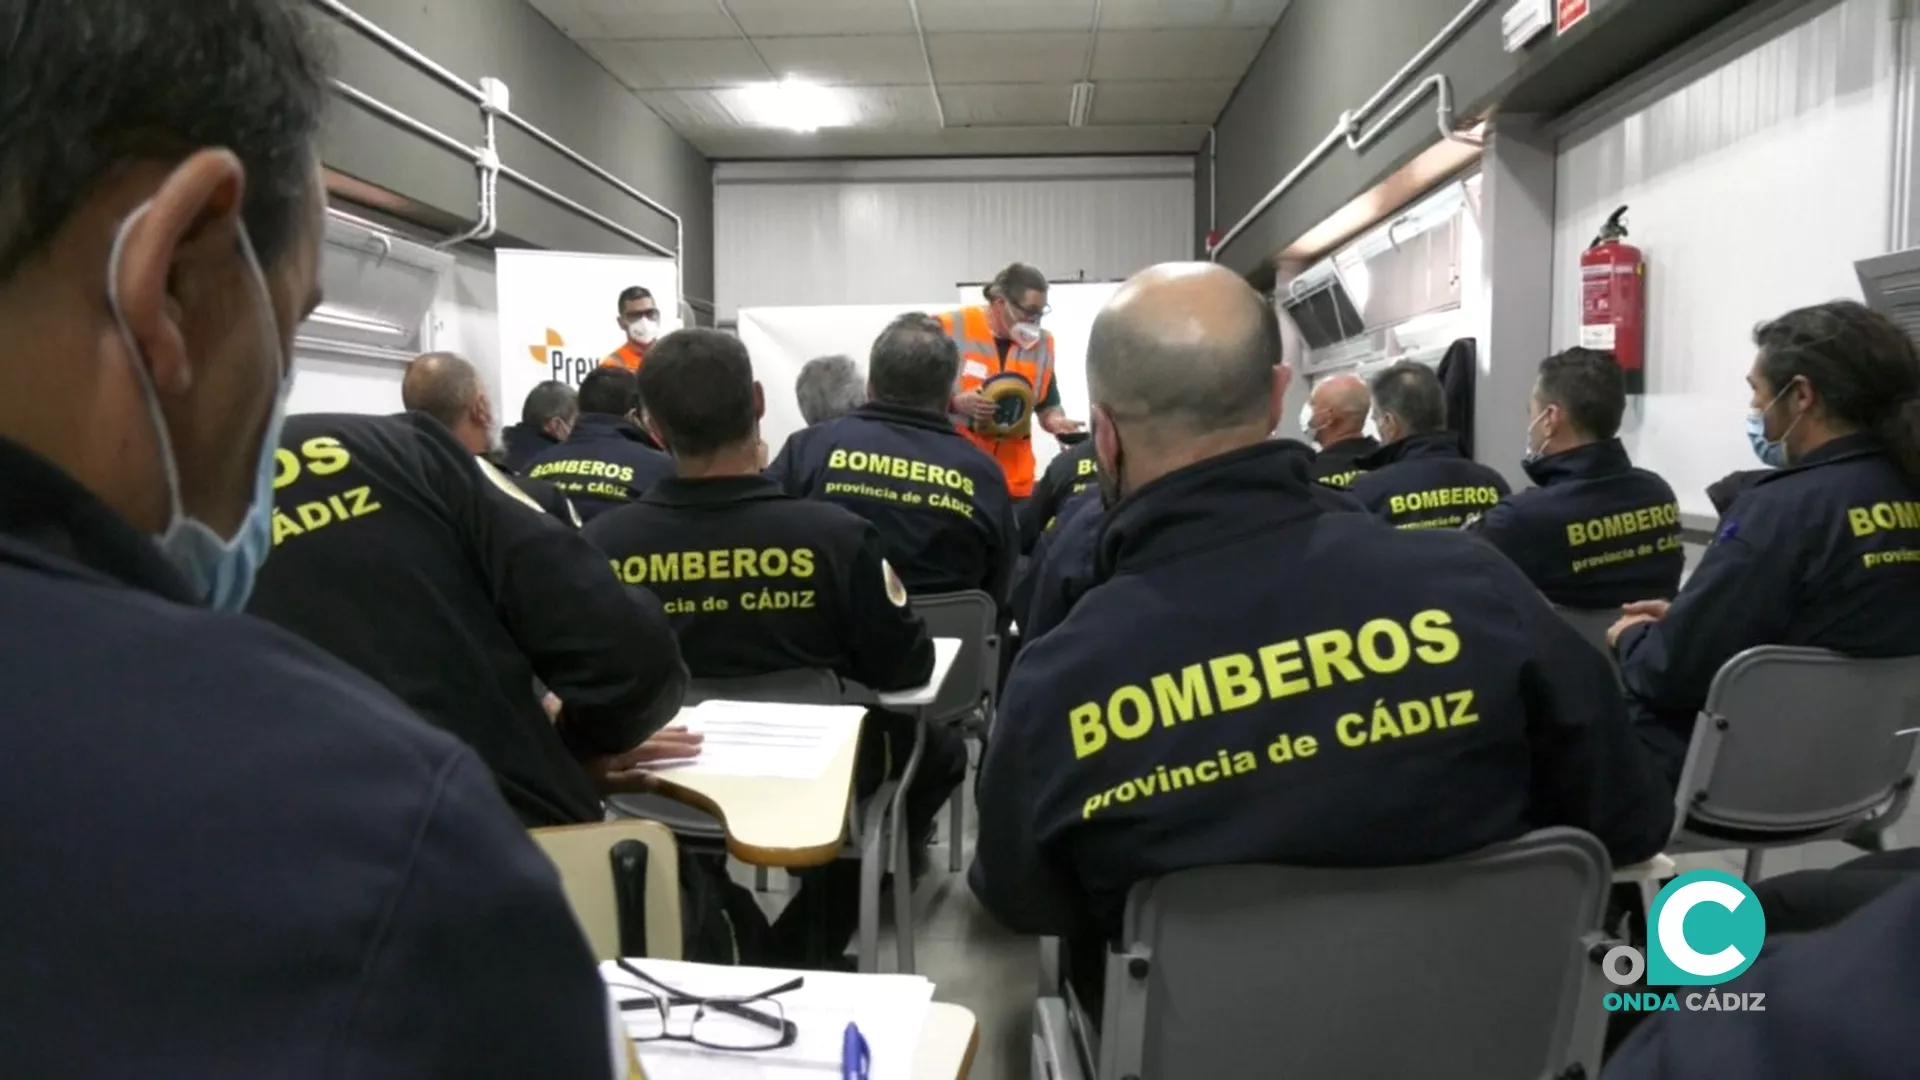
(792,234)
(1752,190)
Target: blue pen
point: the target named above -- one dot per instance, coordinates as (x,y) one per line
(855,1058)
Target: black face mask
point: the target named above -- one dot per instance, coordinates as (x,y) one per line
(1110,493)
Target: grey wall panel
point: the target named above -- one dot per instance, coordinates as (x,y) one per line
(556,86)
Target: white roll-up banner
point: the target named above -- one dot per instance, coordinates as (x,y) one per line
(782,339)
(559,313)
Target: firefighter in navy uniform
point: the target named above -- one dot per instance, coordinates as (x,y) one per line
(1335,422)
(397,552)
(446,387)
(940,505)
(1255,679)
(1419,479)
(756,581)
(546,419)
(1068,474)
(1597,532)
(1825,551)
(608,460)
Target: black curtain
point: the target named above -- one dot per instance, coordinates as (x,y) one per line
(1457,371)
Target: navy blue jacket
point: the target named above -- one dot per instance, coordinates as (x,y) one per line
(1839,1003)
(606,462)
(1424,482)
(1061,568)
(1823,554)
(228,854)
(756,581)
(440,584)
(523,442)
(1071,472)
(1339,465)
(940,504)
(1596,533)
(1256,679)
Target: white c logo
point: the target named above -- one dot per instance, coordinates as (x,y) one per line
(1673,936)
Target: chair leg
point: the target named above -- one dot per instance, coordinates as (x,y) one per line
(1751,872)
(872,830)
(902,863)
(957,822)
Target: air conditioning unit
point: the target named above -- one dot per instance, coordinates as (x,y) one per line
(1890,285)
(379,288)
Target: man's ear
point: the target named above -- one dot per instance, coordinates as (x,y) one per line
(653,429)
(759,401)
(1106,440)
(183,244)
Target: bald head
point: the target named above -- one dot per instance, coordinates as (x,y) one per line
(447,388)
(1182,361)
(1338,409)
(1185,346)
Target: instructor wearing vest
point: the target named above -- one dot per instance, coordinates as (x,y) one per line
(1006,373)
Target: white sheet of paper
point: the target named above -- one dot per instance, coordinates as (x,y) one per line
(889,1010)
(756,739)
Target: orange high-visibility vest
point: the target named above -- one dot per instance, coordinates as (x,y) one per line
(1019,386)
(629,356)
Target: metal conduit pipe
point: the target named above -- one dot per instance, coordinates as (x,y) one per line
(421,61)
(399,119)
(592,215)
(1352,121)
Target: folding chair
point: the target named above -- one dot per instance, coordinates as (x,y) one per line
(601,865)
(966,695)
(1485,966)
(972,688)
(1796,745)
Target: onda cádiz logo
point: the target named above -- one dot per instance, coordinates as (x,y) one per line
(1706,927)
(560,367)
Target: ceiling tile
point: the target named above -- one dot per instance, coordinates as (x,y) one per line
(842,61)
(637,19)
(1003,16)
(1008,58)
(820,18)
(655,65)
(1027,103)
(1160,102)
(1189,14)
(1139,55)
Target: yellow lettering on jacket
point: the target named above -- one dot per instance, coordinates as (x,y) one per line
(1625,523)
(723,564)
(899,468)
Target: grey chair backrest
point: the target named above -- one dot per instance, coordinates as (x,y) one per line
(1801,740)
(800,686)
(1477,966)
(971,617)
(1592,624)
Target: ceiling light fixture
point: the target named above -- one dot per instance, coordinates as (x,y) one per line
(1081,107)
(791,104)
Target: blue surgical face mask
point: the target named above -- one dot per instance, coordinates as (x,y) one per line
(220,572)
(1771,452)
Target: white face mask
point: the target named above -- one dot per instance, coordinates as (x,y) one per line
(220,570)
(1306,424)
(1371,429)
(643,331)
(1026,334)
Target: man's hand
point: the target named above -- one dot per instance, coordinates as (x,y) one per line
(1055,422)
(551,703)
(629,771)
(970,404)
(1635,614)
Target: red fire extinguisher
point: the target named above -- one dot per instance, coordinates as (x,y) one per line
(1613,300)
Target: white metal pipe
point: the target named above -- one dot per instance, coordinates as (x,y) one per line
(926,57)
(1351,122)
(372,31)
(592,215)
(487,171)
(399,119)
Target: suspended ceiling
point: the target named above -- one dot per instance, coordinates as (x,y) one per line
(977,77)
